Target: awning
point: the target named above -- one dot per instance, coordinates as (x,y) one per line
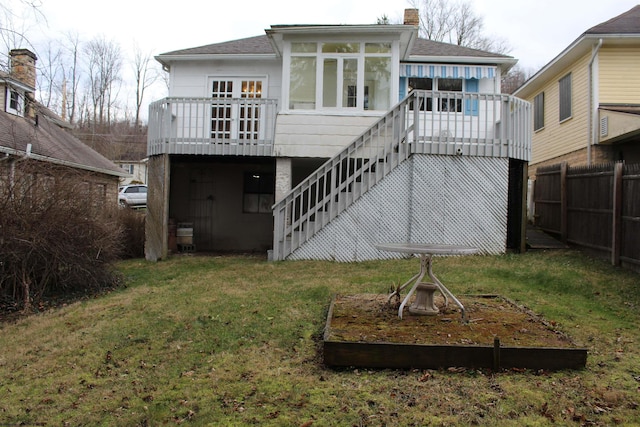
(448,71)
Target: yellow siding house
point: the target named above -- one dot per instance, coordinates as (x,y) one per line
(586,101)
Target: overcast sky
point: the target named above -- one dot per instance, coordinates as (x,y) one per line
(537,30)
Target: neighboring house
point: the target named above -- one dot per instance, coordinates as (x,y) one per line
(28,130)
(135,167)
(317,141)
(586,101)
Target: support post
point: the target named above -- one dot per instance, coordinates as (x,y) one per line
(616,238)
(563,202)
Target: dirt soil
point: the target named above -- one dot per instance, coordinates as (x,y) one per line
(370,318)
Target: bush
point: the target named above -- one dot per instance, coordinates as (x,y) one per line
(132,223)
(58,232)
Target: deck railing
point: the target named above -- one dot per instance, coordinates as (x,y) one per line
(212,126)
(426,122)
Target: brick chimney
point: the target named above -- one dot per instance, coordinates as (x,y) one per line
(411,17)
(23,66)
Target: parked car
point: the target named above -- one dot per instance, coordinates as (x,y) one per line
(133,196)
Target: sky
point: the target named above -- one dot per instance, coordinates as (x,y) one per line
(537,30)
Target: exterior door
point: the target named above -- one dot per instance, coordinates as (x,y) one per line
(236,116)
(202,206)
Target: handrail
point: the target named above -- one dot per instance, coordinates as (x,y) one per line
(225,126)
(426,122)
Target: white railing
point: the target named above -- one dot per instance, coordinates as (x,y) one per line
(474,124)
(212,126)
(426,122)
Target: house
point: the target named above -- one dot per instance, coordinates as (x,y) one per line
(586,101)
(28,130)
(131,156)
(135,167)
(317,141)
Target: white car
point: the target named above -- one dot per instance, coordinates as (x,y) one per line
(133,196)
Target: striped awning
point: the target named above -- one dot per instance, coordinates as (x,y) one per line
(448,71)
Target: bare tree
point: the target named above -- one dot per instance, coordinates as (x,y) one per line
(50,75)
(515,78)
(455,22)
(16,17)
(144,76)
(71,76)
(104,64)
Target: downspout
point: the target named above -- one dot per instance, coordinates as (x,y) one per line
(592,111)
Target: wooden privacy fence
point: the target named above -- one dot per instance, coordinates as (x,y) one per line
(596,207)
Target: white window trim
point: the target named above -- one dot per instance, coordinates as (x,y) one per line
(394,57)
(20,110)
(212,77)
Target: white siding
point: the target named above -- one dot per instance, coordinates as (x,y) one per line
(191,79)
(312,135)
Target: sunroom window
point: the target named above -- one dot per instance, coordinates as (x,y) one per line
(352,75)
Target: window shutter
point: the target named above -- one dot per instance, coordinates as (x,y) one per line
(565,97)
(538,111)
(471,105)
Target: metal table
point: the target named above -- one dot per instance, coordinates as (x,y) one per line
(426,252)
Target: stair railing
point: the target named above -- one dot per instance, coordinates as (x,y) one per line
(340,181)
(426,122)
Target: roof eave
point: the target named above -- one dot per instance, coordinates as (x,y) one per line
(505,63)
(579,47)
(34,156)
(17,83)
(166,60)
(407,33)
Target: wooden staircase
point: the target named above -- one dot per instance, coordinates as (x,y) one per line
(341,181)
(498,126)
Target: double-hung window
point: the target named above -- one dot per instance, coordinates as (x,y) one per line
(451,103)
(340,75)
(15,102)
(564,95)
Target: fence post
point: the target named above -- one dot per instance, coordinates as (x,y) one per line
(616,238)
(563,202)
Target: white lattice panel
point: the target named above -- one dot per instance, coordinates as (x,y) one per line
(460,200)
(427,199)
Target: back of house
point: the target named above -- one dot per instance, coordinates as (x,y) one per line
(317,141)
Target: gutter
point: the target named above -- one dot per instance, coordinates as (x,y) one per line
(592,111)
(31,155)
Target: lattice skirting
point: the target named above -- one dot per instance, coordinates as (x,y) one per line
(427,199)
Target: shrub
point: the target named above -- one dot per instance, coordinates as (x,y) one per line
(132,223)
(57,234)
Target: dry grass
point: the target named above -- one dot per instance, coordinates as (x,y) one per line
(236,341)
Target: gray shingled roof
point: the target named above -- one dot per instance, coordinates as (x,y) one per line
(424,47)
(626,23)
(246,46)
(261,45)
(51,141)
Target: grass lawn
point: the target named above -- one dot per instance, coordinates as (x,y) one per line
(237,341)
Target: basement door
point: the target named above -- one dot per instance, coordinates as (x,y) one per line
(202,207)
(236,120)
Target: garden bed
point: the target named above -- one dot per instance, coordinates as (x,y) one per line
(364,330)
